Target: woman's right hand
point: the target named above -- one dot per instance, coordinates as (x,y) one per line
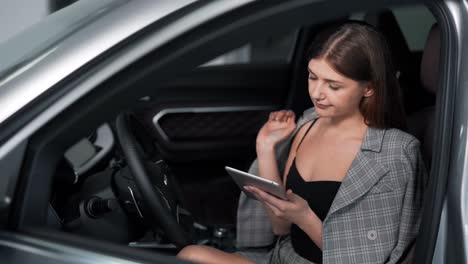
(279,126)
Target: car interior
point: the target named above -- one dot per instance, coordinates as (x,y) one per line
(167,152)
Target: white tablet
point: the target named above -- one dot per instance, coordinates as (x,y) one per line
(243,178)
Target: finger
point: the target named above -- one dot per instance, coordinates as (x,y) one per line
(268,198)
(248,189)
(253,189)
(273,209)
(286,114)
(291,196)
(258,192)
(276,116)
(272,116)
(276,211)
(283,115)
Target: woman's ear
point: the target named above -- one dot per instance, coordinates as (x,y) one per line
(368,91)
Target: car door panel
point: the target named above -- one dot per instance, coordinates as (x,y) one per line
(189,125)
(208,119)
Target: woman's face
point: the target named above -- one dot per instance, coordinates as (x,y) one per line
(333,94)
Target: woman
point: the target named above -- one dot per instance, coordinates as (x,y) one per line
(354,180)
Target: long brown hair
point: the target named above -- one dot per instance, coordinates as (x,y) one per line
(359,52)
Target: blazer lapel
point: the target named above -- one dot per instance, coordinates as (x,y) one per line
(363,173)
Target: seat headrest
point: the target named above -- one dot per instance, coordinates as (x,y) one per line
(430,60)
(384,20)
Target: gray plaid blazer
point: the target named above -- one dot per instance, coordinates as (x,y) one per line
(375,215)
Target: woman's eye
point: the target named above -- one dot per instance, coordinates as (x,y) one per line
(334,88)
(311,77)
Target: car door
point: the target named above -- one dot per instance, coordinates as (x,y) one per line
(208,118)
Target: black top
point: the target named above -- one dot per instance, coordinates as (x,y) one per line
(319,195)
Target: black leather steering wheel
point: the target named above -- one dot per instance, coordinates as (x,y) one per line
(153,198)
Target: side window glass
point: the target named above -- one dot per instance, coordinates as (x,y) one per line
(268,49)
(415,23)
(414,30)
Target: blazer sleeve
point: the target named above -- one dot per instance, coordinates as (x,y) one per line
(253,227)
(416,177)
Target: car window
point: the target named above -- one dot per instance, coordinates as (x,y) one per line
(414,30)
(272,48)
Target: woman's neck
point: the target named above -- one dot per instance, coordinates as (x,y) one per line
(351,123)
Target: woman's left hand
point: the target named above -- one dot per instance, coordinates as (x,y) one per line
(295,209)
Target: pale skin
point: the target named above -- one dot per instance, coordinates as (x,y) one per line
(337,135)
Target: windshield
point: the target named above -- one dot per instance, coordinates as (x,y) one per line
(29,47)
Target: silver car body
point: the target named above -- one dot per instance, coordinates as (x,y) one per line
(40,58)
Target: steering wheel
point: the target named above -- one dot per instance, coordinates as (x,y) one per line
(154,199)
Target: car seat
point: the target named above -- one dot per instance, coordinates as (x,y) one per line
(405,61)
(384,20)
(421,122)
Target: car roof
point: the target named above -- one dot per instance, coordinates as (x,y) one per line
(66,40)
(35,60)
